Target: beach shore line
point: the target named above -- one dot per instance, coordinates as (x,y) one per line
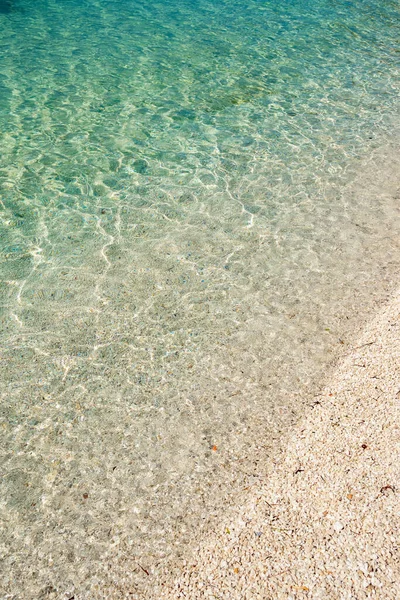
(325,522)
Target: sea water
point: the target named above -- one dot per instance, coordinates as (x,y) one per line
(198,198)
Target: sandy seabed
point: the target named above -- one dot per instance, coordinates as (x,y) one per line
(325,523)
(312,517)
(317,517)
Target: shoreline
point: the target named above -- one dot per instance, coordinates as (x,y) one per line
(163,573)
(200,212)
(198,534)
(126,555)
(323,523)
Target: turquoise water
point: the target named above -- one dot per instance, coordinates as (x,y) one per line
(188,217)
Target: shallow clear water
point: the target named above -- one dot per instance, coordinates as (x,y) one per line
(188,217)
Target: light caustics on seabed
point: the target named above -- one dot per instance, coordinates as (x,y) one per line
(181,241)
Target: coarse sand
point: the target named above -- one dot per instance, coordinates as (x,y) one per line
(325,523)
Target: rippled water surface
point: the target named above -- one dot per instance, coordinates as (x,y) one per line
(195,197)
